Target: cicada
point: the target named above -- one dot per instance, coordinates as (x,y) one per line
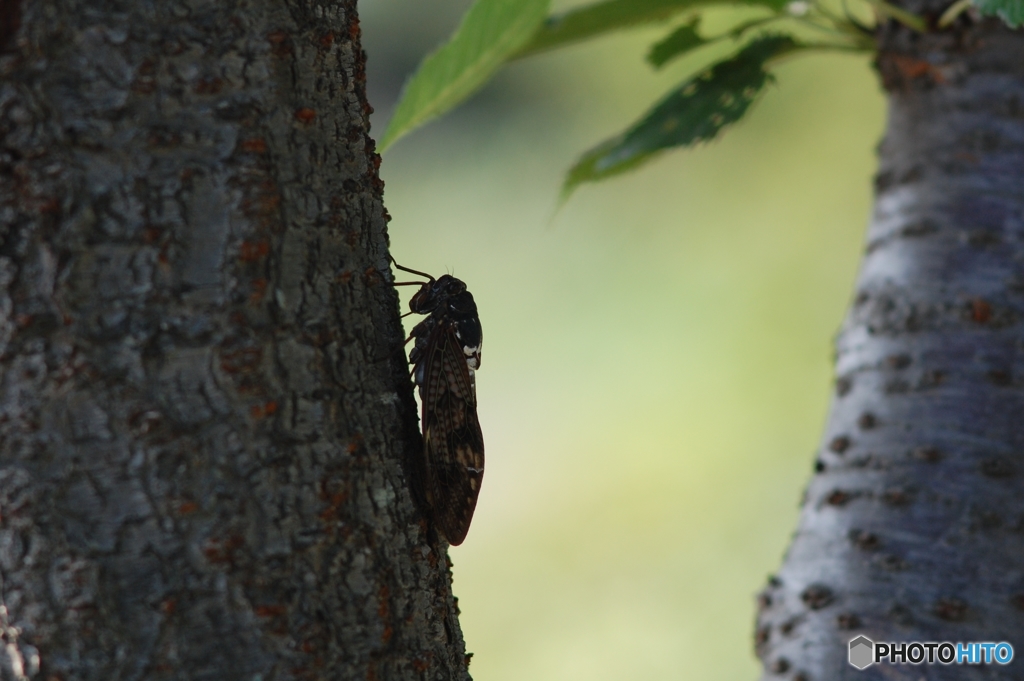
(445,357)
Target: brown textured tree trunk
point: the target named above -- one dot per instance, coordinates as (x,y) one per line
(204,407)
(913,526)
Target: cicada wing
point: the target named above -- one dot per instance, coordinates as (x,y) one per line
(453,441)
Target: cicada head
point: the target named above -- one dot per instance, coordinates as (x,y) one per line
(436,293)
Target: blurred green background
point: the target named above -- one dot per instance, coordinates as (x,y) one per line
(656,369)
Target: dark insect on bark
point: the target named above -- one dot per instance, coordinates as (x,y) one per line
(445,355)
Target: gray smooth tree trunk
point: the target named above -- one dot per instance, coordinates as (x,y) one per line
(913,526)
(204,406)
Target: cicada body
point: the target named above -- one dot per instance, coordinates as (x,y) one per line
(445,357)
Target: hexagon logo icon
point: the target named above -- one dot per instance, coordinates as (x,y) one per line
(862,652)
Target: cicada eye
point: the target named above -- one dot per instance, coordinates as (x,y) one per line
(422,300)
(450,286)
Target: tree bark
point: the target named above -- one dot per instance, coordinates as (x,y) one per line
(204,405)
(913,526)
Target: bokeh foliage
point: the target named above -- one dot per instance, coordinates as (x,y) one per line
(498,31)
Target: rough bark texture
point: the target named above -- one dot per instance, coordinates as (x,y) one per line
(913,527)
(204,407)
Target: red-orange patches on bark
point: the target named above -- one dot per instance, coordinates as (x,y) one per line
(867,421)
(927,454)
(145,420)
(910,68)
(50,207)
(847,621)
(270,202)
(981,311)
(241,361)
(221,550)
(188,507)
(251,251)
(254,145)
(334,497)
(788,626)
(383,607)
(144,82)
(762,635)
(839,444)
(305,115)
(897,497)
(270,610)
(168,606)
(262,203)
(375,181)
(863,540)
(151,234)
(162,138)
(997,467)
(817,596)
(208,86)
(260,411)
(23,320)
(280,43)
(422,664)
(838,497)
(326,40)
(1000,377)
(330,514)
(900,70)
(932,378)
(355,444)
(259,289)
(951,609)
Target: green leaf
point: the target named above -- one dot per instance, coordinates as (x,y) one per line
(683,39)
(490,32)
(1010,11)
(612,15)
(692,113)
